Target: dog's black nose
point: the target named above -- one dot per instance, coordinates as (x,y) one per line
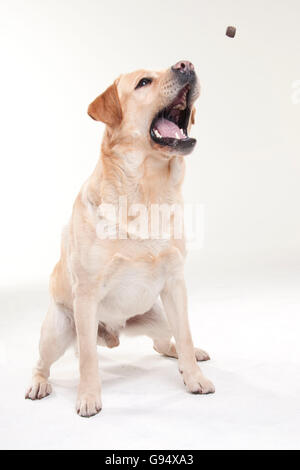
(184,67)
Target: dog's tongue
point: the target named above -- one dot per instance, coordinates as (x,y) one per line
(168,128)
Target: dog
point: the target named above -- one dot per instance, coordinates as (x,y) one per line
(113,278)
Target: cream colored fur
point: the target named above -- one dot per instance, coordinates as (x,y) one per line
(102,288)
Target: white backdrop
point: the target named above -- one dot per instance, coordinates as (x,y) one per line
(57,56)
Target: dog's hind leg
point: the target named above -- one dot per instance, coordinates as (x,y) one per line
(155,325)
(57,334)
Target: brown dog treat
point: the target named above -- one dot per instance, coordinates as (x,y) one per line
(230,31)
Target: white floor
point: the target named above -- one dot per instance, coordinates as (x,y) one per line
(251,330)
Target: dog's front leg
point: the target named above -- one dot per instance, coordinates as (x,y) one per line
(89,391)
(174,298)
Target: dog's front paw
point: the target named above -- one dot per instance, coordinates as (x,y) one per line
(39,389)
(88,404)
(196,383)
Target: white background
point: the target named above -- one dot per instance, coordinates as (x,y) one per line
(56,57)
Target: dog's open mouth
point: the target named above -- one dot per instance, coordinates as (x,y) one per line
(169,127)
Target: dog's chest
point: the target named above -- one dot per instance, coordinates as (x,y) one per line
(131,285)
(133,293)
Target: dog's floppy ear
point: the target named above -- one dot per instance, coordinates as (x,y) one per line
(193,115)
(106,107)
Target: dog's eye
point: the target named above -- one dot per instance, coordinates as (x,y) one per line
(143,82)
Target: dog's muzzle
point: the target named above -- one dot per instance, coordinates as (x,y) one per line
(169,126)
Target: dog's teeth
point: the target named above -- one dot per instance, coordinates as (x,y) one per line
(177,136)
(157,134)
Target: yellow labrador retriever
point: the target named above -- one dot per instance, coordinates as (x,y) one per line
(112,276)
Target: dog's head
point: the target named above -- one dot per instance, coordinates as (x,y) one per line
(154,108)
